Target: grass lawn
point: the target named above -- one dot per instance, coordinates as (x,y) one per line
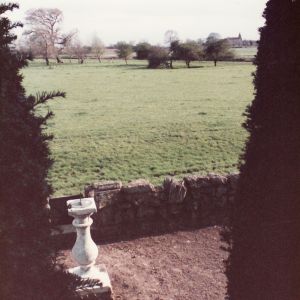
(128,122)
(245,53)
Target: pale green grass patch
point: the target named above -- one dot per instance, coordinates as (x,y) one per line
(128,122)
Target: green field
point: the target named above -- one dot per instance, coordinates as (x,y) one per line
(128,122)
(245,53)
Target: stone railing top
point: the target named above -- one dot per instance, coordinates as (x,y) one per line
(138,186)
(104,186)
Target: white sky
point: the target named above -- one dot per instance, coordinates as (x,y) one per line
(138,20)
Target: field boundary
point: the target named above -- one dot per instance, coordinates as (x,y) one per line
(139,208)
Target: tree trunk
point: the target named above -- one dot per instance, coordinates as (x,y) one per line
(215,62)
(59,61)
(126,60)
(171,63)
(187,64)
(47,61)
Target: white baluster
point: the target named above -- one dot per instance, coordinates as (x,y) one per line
(85,251)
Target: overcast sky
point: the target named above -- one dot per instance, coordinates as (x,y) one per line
(139,20)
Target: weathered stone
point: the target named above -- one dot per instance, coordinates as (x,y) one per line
(159,189)
(175,189)
(138,186)
(216,179)
(175,209)
(208,204)
(118,217)
(85,251)
(152,198)
(211,185)
(199,182)
(107,198)
(163,212)
(111,231)
(221,191)
(125,210)
(124,204)
(231,199)
(222,201)
(167,183)
(128,216)
(198,194)
(233,180)
(102,186)
(137,199)
(196,182)
(159,197)
(89,191)
(103,291)
(195,205)
(105,216)
(146,212)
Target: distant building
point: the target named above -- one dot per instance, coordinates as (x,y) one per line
(238,42)
(250,43)
(235,42)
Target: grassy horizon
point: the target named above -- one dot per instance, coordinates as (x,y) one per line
(127,122)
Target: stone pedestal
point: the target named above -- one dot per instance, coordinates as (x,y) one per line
(104,291)
(85,251)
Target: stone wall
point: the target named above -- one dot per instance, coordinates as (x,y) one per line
(139,208)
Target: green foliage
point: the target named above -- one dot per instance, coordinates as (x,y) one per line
(142,123)
(188,52)
(142,50)
(124,50)
(28,266)
(264,260)
(213,36)
(217,50)
(158,57)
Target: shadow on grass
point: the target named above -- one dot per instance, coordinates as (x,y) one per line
(145,67)
(124,66)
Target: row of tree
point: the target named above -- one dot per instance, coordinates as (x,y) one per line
(44,38)
(213,49)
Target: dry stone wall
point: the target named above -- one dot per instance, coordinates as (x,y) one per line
(139,208)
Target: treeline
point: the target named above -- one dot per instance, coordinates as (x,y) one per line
(44,38)
(213,49)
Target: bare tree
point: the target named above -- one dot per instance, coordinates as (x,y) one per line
(65,40)
(98,48)
(172,40)
(45,34)
(171,36)
(78,50)
(23,46)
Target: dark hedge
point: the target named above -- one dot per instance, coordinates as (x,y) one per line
(28,264)
(264,234)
